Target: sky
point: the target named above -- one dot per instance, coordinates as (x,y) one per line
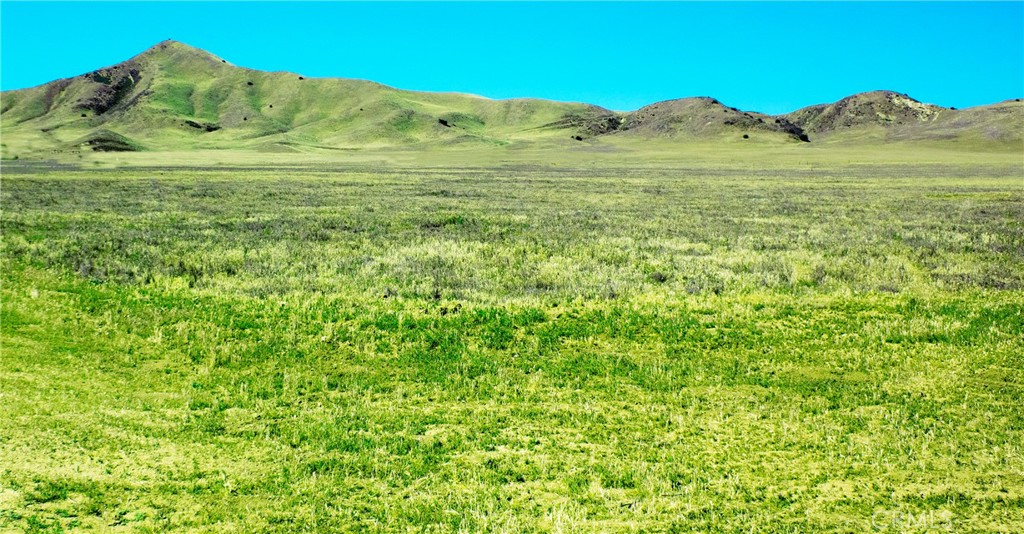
(763,56)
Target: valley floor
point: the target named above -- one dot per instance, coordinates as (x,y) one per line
(695,347)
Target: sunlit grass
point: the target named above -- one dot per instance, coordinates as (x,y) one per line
(703,349)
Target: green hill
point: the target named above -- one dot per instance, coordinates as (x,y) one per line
(174,97)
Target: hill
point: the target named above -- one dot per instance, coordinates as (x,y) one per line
(888,116)
(882,108)
(705,117)
(175,97)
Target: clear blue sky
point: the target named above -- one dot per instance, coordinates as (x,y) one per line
(771,57)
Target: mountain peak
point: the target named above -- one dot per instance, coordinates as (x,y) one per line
(171,44)
(176,51)
(881,95)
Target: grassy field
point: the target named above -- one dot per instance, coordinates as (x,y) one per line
(801,344)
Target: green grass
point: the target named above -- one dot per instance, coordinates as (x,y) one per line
(769,345)
(177,98)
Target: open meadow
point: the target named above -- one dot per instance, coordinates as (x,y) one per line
(740,344)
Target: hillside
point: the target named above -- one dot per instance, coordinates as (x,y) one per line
(881,108)
(176,97)
(889,116)
(705,117)
(173,96)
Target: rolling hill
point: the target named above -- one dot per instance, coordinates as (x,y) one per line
(176,97)
(888,116)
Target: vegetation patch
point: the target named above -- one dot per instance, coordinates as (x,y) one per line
(700,348)
(107,141)
(176,97)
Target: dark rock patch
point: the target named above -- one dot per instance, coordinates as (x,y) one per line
(209,127)
(792,129)
(111,89)
(588,123)
(658,277)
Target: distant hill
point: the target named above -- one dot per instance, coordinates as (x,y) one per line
(703,117)
(881,108)
(893,117)
(176,97)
